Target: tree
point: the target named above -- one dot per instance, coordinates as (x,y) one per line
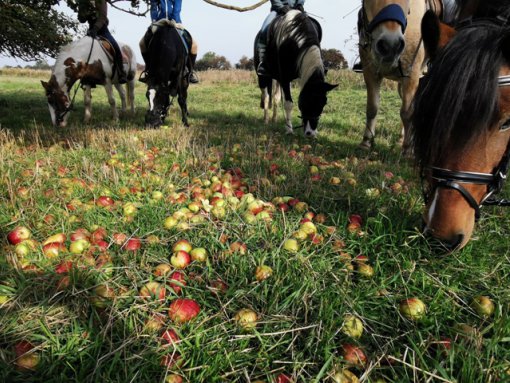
(334,59)
(211,60)
(245,63)
(30,29)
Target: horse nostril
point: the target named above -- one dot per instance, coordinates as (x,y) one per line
(382,47)
(401,45)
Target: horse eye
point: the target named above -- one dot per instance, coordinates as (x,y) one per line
(505,126)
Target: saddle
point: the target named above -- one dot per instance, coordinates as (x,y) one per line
(183,33)
(110,52)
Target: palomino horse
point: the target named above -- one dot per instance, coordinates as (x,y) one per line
(391,47)
(461,121)
(87,61)
(167,75)
(293,52)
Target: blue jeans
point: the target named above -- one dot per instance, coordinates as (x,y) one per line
(104,32)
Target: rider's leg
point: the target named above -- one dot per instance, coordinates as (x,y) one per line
(104,32)
(193,78)
(262,44)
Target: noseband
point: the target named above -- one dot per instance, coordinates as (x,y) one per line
(392,12)
(453,179)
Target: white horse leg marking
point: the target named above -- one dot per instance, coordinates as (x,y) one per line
(111,99)
(277,98)
(373,100)
(265,102)
(288,116)
(432,207)
(52,114)
(87,101)
(131,95)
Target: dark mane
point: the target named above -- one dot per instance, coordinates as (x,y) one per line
(458,98)
(484,8)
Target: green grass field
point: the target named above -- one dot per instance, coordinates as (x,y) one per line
(82,317)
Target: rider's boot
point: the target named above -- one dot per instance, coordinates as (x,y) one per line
(262,67)
(193,78)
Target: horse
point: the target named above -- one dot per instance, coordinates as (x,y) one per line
(89,61)
(391,47)
(293,52)
(461,120)
(167,77)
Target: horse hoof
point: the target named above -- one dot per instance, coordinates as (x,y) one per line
(365,145)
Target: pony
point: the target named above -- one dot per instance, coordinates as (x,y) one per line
(391,47)
(461,120)
(90,62)
(293,52)
(167,75)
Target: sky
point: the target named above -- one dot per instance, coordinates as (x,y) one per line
(230,33)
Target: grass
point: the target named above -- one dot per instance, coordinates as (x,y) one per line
(50,181)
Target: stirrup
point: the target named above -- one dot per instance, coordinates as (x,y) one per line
(144,77)
(193,78)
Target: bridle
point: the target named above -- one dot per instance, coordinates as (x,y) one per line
(454,179)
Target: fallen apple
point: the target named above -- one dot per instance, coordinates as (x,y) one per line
(183,310)
(162,269)
(263,272)
(483,306)
(198,254)
(246,318)
(345,376)
(180,259)
(153,290)
(353,355)
(19,234)
(291,245)
(173,378)
(183,245)
(177,281)
(352,326)
(413,308)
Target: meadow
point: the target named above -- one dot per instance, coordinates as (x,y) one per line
(311,248)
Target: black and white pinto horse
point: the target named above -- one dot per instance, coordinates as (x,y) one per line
(293,52)
(167,77)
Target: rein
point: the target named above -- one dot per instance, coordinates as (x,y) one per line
(71,104)
(453,179)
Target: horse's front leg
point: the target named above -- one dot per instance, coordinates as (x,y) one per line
(87,102)
(111,100)
(288,107)
(183,103)
(131,95)
(408,90)
(373,83)
(264,103)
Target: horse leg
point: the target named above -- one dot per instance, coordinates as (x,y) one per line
(87,101)
(122,94)
(264,103)
(373,84)
(277,98)
(131,95)
(182,99)
(288,107)
(409,86)
(111,100)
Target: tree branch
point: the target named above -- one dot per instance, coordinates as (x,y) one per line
(131,12)
(234,8)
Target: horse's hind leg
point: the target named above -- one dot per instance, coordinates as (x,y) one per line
(264,103)
(277,98)
(111,100)
(183,103)
(87,102)
(373,84)
(288,107)
(122,94)
(131,96)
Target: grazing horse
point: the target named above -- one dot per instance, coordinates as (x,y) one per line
(90,62)
(167,75)
(391,47)
(293,52)
(461,120)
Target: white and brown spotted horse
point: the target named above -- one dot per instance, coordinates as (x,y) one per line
(88,62)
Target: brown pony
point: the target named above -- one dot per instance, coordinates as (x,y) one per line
(391,47)
(461,120)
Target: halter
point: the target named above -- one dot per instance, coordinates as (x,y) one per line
(392,12)
(453,179)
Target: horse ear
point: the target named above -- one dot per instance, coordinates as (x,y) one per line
(329,87)
(505,47)
(45,84)
(435,34)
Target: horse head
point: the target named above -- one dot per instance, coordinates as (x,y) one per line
(58,102)
(461,121)
(311,103)
(384,24)
(159,103)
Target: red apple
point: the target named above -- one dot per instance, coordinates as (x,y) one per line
(54,249)
(177,281)
(80,234)
(170,337)
(105,201)
(180,259)
(218,286)
(98,235)
(133,244)
(282,378)
(183,310)
(64,267)
(55,238)
(353,354)
(170,360)
(356,219)
(119,238)
(162,269)
(19,234)
(26,359)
